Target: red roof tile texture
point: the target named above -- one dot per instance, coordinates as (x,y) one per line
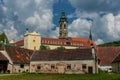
(19,43)
(18,55)
(2,57)
(54,41)
(85,41)
(60,55)
(107,54)
(62,42)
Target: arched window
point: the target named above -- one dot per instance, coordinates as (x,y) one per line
(64,26)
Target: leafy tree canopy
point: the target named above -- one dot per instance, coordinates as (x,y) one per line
(61,48)
(3,38)
(43,47)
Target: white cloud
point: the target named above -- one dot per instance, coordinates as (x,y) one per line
(22,3)
(54,33)
(41,23)
(106,24)
(4,9)
(37,15)
(33,19)
(79,28)
(11,31)
(104,29)
(99,41)
(96,5)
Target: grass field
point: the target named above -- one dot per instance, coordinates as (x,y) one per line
(27,76)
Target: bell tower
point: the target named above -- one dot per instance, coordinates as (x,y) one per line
(63,26)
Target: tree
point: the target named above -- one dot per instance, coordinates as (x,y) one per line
(61,48)
(43,47)
(3,39)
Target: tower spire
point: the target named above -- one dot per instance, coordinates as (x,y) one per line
(63,26)
(90,36)
(63,14)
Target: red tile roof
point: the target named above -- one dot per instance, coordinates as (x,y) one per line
(107,54)
(2,57)
(54,41)
(59,55)
(19,43)
(85,41)
(21,55)
(62,42)
(18,55)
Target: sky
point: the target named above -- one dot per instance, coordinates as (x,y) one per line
(102,16)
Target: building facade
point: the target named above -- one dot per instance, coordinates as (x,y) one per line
(14,59)
(72,61)
(33,40)
(63,67)
(17,60)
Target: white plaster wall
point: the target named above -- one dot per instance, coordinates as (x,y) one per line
(17,69)
(76,66)
(52,47)
(105,68)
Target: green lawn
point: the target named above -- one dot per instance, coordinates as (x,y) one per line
(27,76)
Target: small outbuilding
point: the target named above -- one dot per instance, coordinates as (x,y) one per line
(70,61)
(64,61)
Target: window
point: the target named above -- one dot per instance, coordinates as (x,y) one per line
(68,43)
(38,67)
(34,41)
(21,65)
(42,41)
(52,67)
(60,26)
(83,66)
(61,43)
(68,67)
(34,47)
(64,43)
(64,26)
